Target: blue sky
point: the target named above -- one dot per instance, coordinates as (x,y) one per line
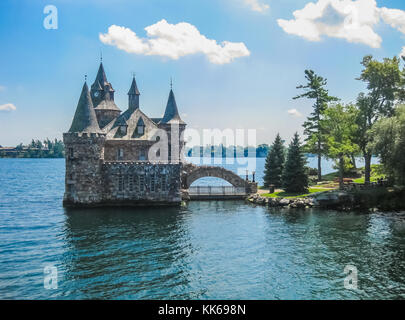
(42,71)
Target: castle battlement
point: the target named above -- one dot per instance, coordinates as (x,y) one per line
(85,134)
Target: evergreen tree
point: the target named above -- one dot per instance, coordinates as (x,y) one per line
(273,168)
(315,89)
(295,178)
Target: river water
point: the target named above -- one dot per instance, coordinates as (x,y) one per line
(205,250)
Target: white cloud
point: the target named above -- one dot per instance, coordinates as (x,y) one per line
(173,41)
(256,5)
(352,20)
(394,17)
(7,107)
(2,88)
(294,113)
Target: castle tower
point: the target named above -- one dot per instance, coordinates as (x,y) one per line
(174,126)
(84,145)
(133,96)
(102,95)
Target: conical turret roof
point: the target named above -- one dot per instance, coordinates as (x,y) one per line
(85,119)
(101,77)
(171,112)
(134,88)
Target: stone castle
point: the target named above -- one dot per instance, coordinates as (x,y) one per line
(122,158)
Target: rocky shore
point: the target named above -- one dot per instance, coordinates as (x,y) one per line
(301,203)
(382,199)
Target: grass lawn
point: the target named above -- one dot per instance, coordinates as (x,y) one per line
(361,180)
(289,195)
(330,176)
(376,173)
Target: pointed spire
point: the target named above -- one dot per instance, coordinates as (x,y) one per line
(101,77)
(102,92)
(171,112)
(134,88)
(133,96)
(85,119)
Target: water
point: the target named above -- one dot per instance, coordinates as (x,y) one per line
(206,250)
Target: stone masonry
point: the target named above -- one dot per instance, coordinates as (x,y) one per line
(127,158)
(107,152)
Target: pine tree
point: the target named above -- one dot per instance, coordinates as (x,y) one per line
(315,89)
(273,168)
(295,178)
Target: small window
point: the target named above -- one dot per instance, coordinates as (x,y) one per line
(136,183)
(120,183)
(140,127)
(164,183)
(142,155)
(71,154)
(152,183)
(120,154)
(123,130)
(142,182)
(131,183)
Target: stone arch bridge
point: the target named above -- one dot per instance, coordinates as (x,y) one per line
(240,187)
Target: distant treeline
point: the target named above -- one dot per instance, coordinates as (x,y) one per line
(56,149)
(231,151)
(36,149)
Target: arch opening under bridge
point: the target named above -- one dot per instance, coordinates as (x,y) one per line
(239,187)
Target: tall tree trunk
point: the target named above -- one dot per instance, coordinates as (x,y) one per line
(367,167)
(341,169)
(354,161)
(319,162)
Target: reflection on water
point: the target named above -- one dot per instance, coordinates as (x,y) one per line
(229,250)
(205,250)
(126,253)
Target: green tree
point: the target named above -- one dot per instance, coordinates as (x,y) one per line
(385,83)
(262,150)
(315,89)
(340,126)
(389,144)
(295,178)
(274,165)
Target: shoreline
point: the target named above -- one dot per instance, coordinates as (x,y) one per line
(383,199)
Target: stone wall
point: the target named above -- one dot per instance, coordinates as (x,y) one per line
(132,149)
(94,176)
(84,159)
(138,183)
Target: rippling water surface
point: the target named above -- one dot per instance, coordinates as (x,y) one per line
(205,250)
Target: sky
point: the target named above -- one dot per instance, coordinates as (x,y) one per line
(234,63)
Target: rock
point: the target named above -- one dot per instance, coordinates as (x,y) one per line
(300,204)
